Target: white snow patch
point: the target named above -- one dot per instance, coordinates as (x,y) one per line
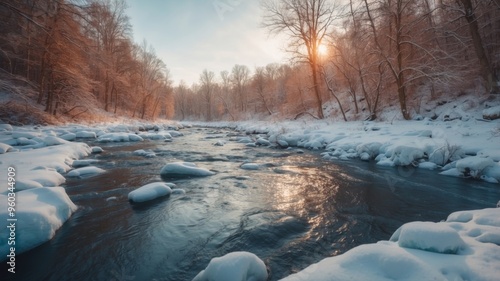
(40,213)
(429,236)
(184,169)
(149,192)
(250,166)
(473,166)
(235,266)
(4,148)
(88,171)
(84,163)
(86,135)
(492,113)
(470,240)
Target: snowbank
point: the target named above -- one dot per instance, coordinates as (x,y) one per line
(43,165)
(235,266)
(426,144)
(184,169)
(39,213)
(149,192)
(464,247)
(88,171)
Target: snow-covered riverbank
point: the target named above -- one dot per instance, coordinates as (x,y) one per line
(468,243)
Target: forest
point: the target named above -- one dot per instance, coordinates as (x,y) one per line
(77,59)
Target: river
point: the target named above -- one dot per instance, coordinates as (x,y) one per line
(295,210)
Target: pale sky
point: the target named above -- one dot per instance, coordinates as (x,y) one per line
(191,35)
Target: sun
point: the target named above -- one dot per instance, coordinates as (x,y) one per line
(322,50)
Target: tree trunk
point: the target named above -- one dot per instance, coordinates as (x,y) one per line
(486,69)
(314,69)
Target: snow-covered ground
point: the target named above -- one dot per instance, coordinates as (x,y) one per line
(464,247)
(462,148)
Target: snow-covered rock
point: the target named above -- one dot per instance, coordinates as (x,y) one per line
(235,266)
(464,247)
(68,136)
(405,155)
(263,141)
(492,113)
(83,163)
(4,148)
(149,192)
(86,134)
(40,212)
(6,127)
(429,236)
(473,166)
(119,137)
(145,153)
(184,169)
(89,171)
(97,149)
(250,166)
(25,134)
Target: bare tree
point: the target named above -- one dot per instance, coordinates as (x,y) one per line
(306,22)
(240,74)
(207,80)
(260,82)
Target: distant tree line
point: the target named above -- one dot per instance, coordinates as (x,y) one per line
(359,57)
(73,56)
(379,53)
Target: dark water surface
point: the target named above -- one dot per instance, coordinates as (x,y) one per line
(294,211)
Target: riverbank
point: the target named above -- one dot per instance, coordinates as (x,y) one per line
(44,155)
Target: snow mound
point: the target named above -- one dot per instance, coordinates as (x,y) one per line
(119,137)
(184,169)
(86,135)
(97,149)
(149,192)
(52,140)
(40,213)
(428,236)
(464,247)
(83,163)
(235,266)
(250,166)
(405,155)
(89,171)
(145,153)
(473,166)
(68,136)
(4,148)
(491,113)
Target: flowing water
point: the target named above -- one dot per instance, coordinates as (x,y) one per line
(295,210)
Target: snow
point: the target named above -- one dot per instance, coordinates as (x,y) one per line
(145,153)
(492,113)
(43,165)
(40,212)
(235,266)
(4,148)
(119,137)
(149,192)
(473,166)
(96,149)
(429,236)
(86,134)
(89,171)
(464,247)
(184,169)
(250,166)
(83,163)
(428,144)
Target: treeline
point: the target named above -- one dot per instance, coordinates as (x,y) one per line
(74,56)
(352,58)
(359,58)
